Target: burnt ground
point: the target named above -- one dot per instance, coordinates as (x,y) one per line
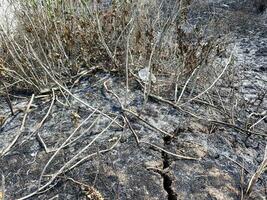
(117,166)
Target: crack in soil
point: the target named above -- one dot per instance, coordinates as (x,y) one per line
(167,178)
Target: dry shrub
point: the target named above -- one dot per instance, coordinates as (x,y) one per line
(68,37)
(59,34)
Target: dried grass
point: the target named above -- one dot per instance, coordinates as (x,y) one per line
(70,37)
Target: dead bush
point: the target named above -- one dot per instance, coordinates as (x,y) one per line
(63,39)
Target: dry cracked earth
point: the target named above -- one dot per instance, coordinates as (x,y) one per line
(158,152)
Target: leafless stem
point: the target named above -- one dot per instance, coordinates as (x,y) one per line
(3,187)
(261,169)
(214,82)
(20,130)
(170,153)
(68,91)
(63,144)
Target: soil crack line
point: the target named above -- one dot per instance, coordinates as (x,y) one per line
(166,175)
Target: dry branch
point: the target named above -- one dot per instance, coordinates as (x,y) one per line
(5,151)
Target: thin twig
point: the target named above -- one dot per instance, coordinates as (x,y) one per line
(40,124)
(63,168)
(86,131)
(237,128)
(8,100)
(242,183)
(135,114)
(3,187)
(20,130)
(170,153)
(185,85)
(102,39)
(132,130)
(42,142)
(93,154)
(237,163)
(63,144)
(198,117)
(257,122)
(214,82)
(146,122)
(68,91)
(261,169)
(127,64)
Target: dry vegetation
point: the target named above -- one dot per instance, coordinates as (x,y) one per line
(65,40)
(56,43)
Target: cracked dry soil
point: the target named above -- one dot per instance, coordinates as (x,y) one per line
(131,170)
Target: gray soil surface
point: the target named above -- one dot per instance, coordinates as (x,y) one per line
(218,161)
